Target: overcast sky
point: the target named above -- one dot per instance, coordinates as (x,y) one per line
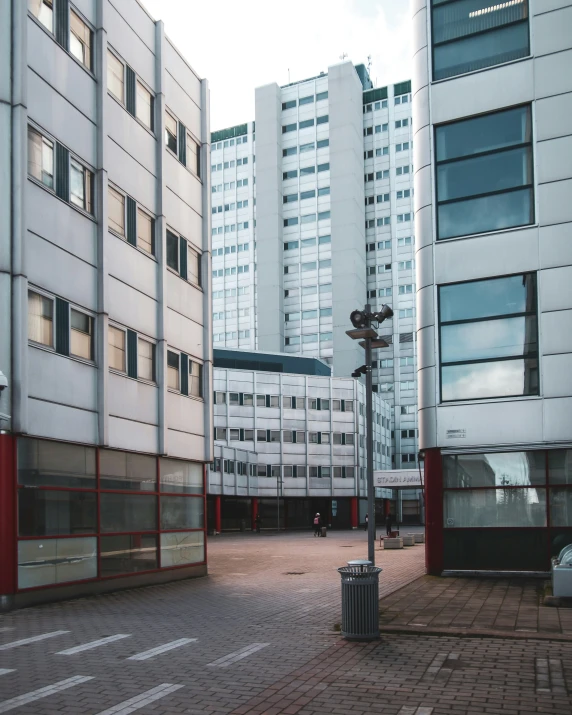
(239,46)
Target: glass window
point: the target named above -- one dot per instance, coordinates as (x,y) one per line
(560,466)
(186,547)
(127,471)
(127,554)
(115,73)
(195,379)
(44,11)
(116,341)
(470,35)
(561,507)
(144,105)
(193,155)
(40,319)
(145,227)
(172,370)
(81,181)
(182,477)
(127,512)
(247,400)
(509,507)
(489,338)
(80,39)
(46,512)
(145,360)
(193,266)
(56,561)
(501,469)
(116,211)
(46,463)
(81,342)
(484,173)
(173,251)
(182,512)
(40,158)
(171,132)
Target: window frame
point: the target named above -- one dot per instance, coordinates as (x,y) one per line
(90,48)
(109,91)
(169,134)
(46,296)
(123,330)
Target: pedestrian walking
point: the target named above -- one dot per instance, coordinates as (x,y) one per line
(317,525)
(258,523)
(366,522)
(388,524)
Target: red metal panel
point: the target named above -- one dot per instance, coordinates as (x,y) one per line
(433,511)
(354,512)
(217,514)
(8,545)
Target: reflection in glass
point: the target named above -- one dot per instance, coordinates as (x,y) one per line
(486,508)
(128,554)
(482,299)
(183,477)
(475,381)
(125,470)
(489,339)
(560,466)
(561,507)
(497,469)
(45,512)
(182,513)
(56,561)
(45,463)
(128,512)
(182,548)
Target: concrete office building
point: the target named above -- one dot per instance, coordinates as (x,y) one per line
(492,97)
(285,429)
(105,311)
(311,217)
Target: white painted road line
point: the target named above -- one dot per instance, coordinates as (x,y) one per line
(43,692)
(5,671)
(231,658)
(33,639)
(93,644)
(146,654)
(140,701)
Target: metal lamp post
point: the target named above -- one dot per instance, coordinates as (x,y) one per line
(363,322)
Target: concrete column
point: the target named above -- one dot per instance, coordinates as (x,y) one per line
(433,511)
(254,511)
(354,512)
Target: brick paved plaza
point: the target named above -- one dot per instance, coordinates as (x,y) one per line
(257,636)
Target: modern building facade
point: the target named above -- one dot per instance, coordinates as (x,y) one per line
(105,311)
(291,442)
(312,217)
(492,94)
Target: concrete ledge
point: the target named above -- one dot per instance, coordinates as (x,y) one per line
(393,543)
(476,633)
(408,540)
(419,538)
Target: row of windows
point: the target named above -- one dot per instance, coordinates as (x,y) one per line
(228,314)
(70,31)
(303,148)
(230,142)
(390,386)
(232,271)
(231,292)
(403,99)
(386,220)
(381,245)
(307,242)
(229,186)
(55,324)
(308,290)
(384,174)
(308,315)
(405,289)
(311,194)
(239,248)
(384,198)
(307,218)
(229,228)
(305,171)
(308,338)
(384,150)
(288,401)
(305,124)
(300,471)
(229,164)
(308,266)
(379,128)
(386,268)
(291,103)
(233,335)
(287,436)
(230,206)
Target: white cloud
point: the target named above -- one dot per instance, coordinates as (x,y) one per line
(241,46)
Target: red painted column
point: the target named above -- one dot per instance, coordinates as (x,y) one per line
(354,512)
(254,512)
(433,511)
(386,507)
(8,563)
(217,514)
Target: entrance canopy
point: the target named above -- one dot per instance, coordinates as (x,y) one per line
(398,479)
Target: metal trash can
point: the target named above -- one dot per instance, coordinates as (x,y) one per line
(360,601)
(324,531)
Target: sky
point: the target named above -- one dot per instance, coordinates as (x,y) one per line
(239,46)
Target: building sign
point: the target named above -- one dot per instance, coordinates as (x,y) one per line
(456,434)
(398,479)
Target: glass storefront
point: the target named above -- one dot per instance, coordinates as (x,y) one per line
(510,510)
(87,513)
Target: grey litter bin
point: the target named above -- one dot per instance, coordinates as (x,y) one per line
(360,601)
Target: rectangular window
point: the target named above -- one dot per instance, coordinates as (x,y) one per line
(288,128)
(145,226)
(324,119)
(290,104)
(144,106)
(80,39)
(290,174)
(306,123)
(81,342)
(194,156)
(489,338)
(323,167)
(193,266)
(306,100)
(171,132)
(43,10)
(40,319)
(173,251)
(469,36)
(290,151)
(40,158)
(116,344)
(115,77)
(81,183)
(195,379)
(172,370)
(484,170)
(116,211)
(145,360)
